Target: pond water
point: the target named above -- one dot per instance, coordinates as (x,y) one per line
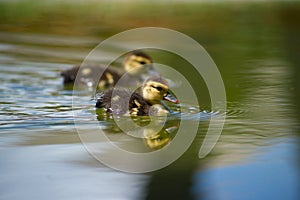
(256,49)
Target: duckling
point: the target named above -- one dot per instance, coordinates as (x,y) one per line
(148,102)
(135,64)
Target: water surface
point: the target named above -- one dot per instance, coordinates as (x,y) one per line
(255,48)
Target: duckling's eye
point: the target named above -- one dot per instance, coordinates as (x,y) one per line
(158,88)
(143,62)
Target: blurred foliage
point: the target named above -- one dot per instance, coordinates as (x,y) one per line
(90,17)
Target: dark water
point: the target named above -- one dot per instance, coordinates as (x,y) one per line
(256,48)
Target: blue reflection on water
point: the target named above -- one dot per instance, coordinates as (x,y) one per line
(272,174)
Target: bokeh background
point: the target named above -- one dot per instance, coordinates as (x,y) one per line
(256,47)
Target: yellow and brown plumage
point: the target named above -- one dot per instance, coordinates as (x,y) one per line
(121,102)
(148,102)
(135,65)
(89,75)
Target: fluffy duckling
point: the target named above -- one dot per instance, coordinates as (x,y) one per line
(148,102)
(135,65)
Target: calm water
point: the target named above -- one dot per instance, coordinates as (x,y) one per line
(255,47)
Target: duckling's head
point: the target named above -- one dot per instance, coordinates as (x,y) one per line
(137,62)
(156,89)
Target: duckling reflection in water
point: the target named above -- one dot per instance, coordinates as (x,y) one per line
(136,64)
(151,137)
(157,140)
(122,102)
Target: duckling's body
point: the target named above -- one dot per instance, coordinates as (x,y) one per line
(148,102)
(121,102)
(136,64)
(89,75)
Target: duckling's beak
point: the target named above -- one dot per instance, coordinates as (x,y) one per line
(171,98)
